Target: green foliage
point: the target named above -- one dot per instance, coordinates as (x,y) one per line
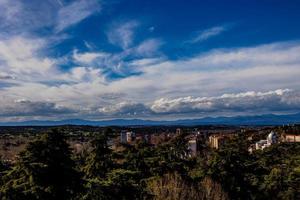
(281,177)
(268,174)
(119,184)
(157,161)
(124,184)
(45,170)
(99,160)
(230,166)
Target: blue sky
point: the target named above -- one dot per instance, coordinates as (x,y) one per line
(97,59)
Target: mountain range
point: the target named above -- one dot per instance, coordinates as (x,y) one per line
(268,119)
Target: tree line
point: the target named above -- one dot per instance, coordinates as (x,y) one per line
(47,170)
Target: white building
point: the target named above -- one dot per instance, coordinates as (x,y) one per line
(272,139)
(262,144)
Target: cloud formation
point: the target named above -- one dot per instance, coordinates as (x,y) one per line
(249,102)
(25,108)
(75,12)
(163,88)
(18,17)
(122,34)
(133,77)
(209,33)
(19,57)
(122,63)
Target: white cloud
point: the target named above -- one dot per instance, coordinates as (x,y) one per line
(88,45)
(5,76)
(251,102)
(163,87)
(209,33)
(85,74)
(148,47)
(20,17)
(20,58)
(121,63)
(122,34)
(75,12)
(254,102)
(88,57)
(129,109)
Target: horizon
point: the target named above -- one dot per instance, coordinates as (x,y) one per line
(102,60)
(252,120)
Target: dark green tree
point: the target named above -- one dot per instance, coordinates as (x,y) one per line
(231,166)
(281,177)
(99,160)
(44,170)
(97,165)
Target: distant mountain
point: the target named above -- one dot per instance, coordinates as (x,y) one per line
(269,119)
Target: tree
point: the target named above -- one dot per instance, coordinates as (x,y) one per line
(120,184)
(230,166)
(136,158)
(124,185)
(99,161)
(44,170)
(281,179)
(173,187)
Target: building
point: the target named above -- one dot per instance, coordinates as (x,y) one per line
(130,136)
(291,138)
(270,140)
(147,138)
(216,141)
(192,147)
(261,144)
(127,136)
(123,137)
(178,131)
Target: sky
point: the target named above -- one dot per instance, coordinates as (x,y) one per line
(158,59)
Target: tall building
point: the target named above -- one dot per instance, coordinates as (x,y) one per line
(123,137)
(192,147)
(216,141)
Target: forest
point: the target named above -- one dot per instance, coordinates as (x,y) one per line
(48,170)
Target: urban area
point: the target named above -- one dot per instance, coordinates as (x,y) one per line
(159,162)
